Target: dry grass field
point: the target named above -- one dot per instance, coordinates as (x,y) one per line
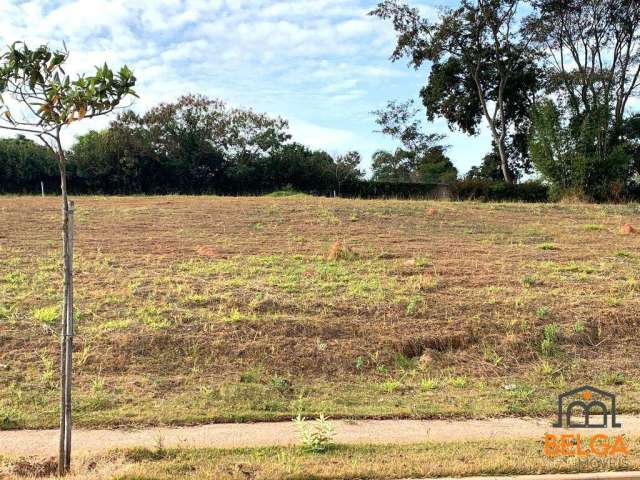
(199,309)
(342,462)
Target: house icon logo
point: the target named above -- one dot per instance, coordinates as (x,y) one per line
(586,407)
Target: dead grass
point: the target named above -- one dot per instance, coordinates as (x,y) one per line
(340,462)
(196,309)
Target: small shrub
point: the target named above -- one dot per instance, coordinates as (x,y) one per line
(316,438)
(6,422)
(359,363)
(488,191)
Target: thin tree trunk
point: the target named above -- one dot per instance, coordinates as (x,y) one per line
(66,328)
(69,342)
(503,162)
(498,138)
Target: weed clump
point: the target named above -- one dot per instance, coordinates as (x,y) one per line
(549,343)
(317,438)
(48,315)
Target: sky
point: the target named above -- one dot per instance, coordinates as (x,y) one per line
(321,64)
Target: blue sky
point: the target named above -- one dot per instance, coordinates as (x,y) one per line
(322,64)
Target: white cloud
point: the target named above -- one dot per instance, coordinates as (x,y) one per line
(321,63)
(317,136)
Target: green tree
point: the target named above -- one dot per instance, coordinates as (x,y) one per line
(49,100)
(397,167)
(489,169)
(482,67)
(421,158)
(196,139)
(573,163)
(347,169)
(24,164)
(592,63)
(592,54)
(435,167)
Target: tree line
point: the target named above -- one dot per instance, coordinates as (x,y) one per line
(552,80)
(201,145)
(194,145)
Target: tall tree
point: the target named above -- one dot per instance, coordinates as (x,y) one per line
(483,67)
(347,168)
(421,157)
(397,167)
(196,139)
(592,64)
(592,53)
(40,99)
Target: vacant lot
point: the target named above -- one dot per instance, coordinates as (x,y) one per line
(196,309)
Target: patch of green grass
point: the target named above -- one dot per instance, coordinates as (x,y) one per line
(15,279)
(49,315)
(114,325)
(542,312)
(613,378)
(549,343)
(548,246)
(287,192)
(342,462)
(592,227)
(459,381)
(428,384)
(405,363)
(391,386)
(253,375)
(153,317)
(281,384)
